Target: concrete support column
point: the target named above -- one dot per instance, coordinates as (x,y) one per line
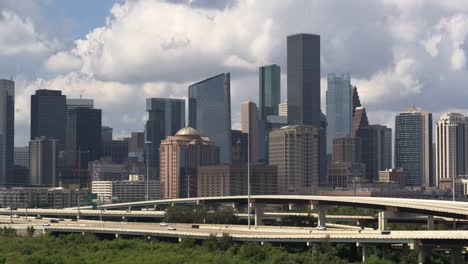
(383,221)
(322,215)
(258,214)
(457,256)
(430,222)
(385,251)
(116,235)
(364,251)
(423,252)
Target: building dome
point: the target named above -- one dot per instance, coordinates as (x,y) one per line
(187,131)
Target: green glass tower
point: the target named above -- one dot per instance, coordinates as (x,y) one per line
(270,90)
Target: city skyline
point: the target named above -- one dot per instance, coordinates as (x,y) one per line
(47,59)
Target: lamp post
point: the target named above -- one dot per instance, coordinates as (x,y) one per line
(147,169)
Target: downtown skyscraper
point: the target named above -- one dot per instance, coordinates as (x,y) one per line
(303,67)
(7,133)
(249,117)
(49,116)
(165,117)
(269,90)
(451,147)
(339,108)
(210,112)
(413,146)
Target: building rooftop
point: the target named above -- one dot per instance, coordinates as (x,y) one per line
(187,131)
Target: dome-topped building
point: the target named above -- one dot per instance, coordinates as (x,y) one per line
(187,131)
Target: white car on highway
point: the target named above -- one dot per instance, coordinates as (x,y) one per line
(45,224)
(163,224)
(172,228)
(321,228)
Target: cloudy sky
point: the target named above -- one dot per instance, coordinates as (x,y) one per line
(399,53)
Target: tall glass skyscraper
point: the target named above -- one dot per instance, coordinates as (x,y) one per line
(7,133)
(49,116)
(339,108)
(376,149)
(270,90)
(166,116)
(304,79)
(413,147)
(210,112)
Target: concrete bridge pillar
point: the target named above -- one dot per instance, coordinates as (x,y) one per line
(322,214)
(116,235)
(430,222)
(259,208)
(423,252)
(364,251)
(456,254)
(383,220)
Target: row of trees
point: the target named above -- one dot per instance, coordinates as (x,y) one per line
(76,248)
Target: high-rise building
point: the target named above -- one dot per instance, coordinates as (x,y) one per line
(165,117)
(43,162)
(451,147)
(49,116)
(339,108)
(231,180)
(239,147)
(264,128)
(116,150)
(181,155)
(295,151)
(303,63)
(73,103)
(7,133)
(359,120)
(376,149)
(22,156)
(393,175)
(249,116)
(21,167)
(106,133)
(84,143)
(413,146)
(347,149)
(283,109)
(210,111)
(136,146)
(270,90)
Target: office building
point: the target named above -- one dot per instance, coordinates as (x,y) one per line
(249,117)
(73,103)
(136,147)
(7,133)
(393,175)
(347,149)
(356,101)
(283,109)
(231,180)
(269,90)
(125,191)
(210,112)
(239,147)
(165,117)
(105,170)
(106,133)
(346,174)
(40,197)
(49,116)
(303,68)
(43,162)
(22,156)
(376,149)
(84,143)
(264,129)
(21,166)
(339,108)
(451,147)
(359,120)
(181,155)
(115,150)
(295,151)
(413,147)
(323,171)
